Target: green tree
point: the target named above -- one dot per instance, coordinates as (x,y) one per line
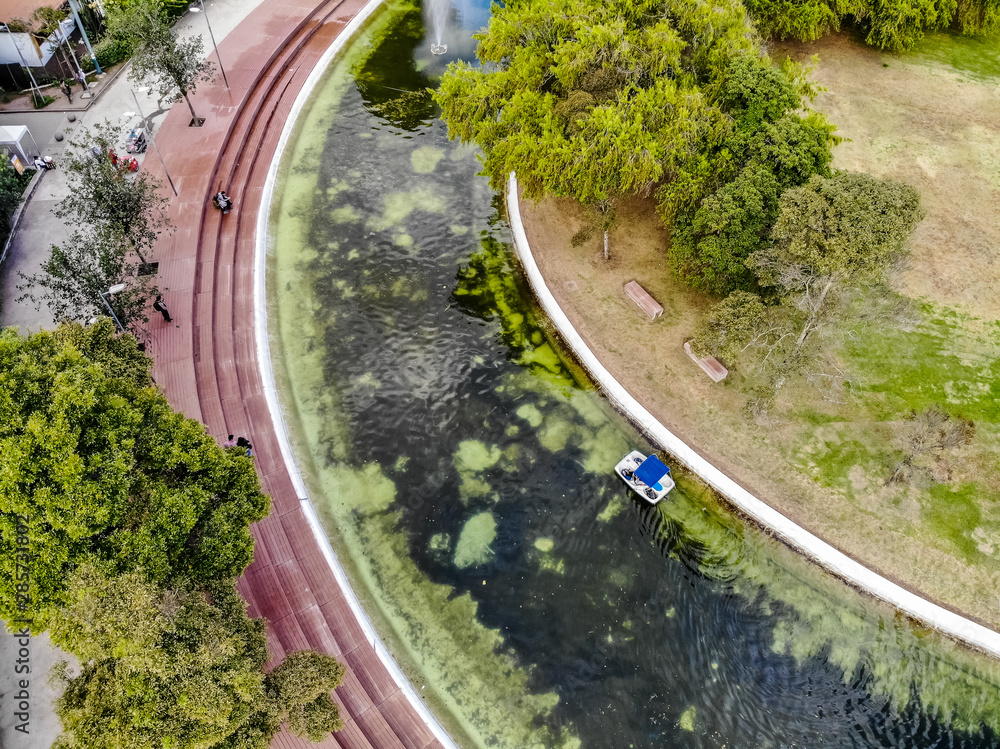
(897,25)
(100,469)
(806,20)
(847,228)
(180,667)
(173,66)
(733,325)
(833,236)
(75,275)
(728,216)
(105,195)
(979,17)
(12,187)
(299,692)
(119,215)
(593,101)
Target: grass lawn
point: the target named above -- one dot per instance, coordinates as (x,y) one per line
(930,118)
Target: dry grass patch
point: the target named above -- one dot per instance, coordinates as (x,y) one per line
(933,125)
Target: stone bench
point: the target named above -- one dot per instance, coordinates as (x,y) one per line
(641,297)
(713,368)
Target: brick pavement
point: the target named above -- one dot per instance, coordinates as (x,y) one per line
(206,361)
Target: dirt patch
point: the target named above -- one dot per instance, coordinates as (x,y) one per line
(917,120)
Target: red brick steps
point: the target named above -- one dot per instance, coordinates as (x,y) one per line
(207,363)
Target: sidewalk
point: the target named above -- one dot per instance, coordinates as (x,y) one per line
(80,103)
(39,230)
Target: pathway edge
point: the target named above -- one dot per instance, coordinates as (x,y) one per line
(266,367)
(931,614)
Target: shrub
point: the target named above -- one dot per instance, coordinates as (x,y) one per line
(175,8)
(109,53)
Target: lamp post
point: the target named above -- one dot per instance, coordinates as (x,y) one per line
(149,137)
(83,32)
(104,298)
(38,93)
(212,37)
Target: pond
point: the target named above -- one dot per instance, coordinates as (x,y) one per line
(462,466)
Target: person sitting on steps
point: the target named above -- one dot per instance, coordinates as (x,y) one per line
(222,201)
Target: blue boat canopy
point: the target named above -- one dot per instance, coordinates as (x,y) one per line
(651,471)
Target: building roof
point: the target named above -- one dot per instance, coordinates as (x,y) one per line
(11,9)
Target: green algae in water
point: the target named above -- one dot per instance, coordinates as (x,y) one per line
(687,719)
(476,456)
(399,205)
(473,547)
(611,510)
(544,544)
(344,215)
(451,652)
(425,159)
(854,633)
(463,661)
(472,458)
(530,413)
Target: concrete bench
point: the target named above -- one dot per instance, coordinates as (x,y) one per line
(713,368)
(641,297)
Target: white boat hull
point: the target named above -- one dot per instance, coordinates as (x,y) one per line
(626,471)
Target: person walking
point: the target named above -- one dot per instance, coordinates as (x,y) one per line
(81,76)
(68,91)
(160,307)
(244,442)
(231,442)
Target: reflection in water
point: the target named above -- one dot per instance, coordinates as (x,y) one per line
(467,475)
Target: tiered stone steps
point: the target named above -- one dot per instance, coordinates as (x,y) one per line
(206,361)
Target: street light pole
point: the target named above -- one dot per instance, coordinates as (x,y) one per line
(83,33)
(212,37)
(149,137)
(38,92)
(104,298)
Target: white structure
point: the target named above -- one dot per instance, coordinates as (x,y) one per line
(22,48)
(18,141)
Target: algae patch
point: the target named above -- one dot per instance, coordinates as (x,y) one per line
(425,159)
(530,413)
(472,458)
(473,547)
(399,205)
(544,545)
(687,719)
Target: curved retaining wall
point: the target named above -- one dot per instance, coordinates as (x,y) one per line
(270,389)
(924,611)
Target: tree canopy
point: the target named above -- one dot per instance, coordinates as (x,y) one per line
(100,469)
(106,195)
(604,101)
(117,216)
(592,100)
(180,667)
(832,237)
(851,225)
(720,219)
(172,65)
(892,25)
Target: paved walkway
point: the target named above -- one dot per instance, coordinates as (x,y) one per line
(206,361)
(114,103)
